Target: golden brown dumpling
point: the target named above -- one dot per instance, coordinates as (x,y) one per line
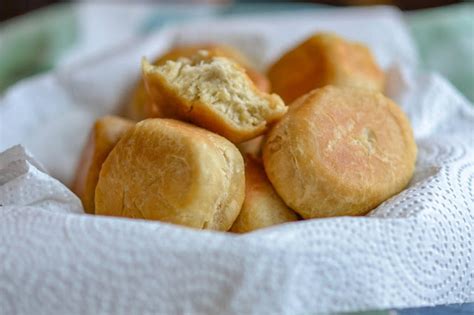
(168,170)
(105,134)
(214,93)
(262,206)
(324,59)
(340,151)
(140,107)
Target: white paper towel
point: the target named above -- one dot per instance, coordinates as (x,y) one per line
(24,183)
(415,249)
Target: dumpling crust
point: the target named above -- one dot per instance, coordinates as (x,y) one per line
(340,151)
(171,171)
(324,59)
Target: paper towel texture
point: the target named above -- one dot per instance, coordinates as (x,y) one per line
(415,249)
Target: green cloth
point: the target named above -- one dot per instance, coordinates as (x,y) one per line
(445,39)
(33,43)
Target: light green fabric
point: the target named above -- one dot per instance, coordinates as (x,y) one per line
(445,39)
(31,44)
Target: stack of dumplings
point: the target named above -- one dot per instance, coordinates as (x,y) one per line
(209,142)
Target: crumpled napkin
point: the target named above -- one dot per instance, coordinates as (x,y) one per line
(24,182)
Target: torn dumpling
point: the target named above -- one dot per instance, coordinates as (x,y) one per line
(214,93)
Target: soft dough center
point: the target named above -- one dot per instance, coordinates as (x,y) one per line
(222,84)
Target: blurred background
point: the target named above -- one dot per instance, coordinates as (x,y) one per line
(11,8)
(37,35)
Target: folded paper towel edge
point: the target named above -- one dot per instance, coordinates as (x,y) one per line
(19,169)
(16,153)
